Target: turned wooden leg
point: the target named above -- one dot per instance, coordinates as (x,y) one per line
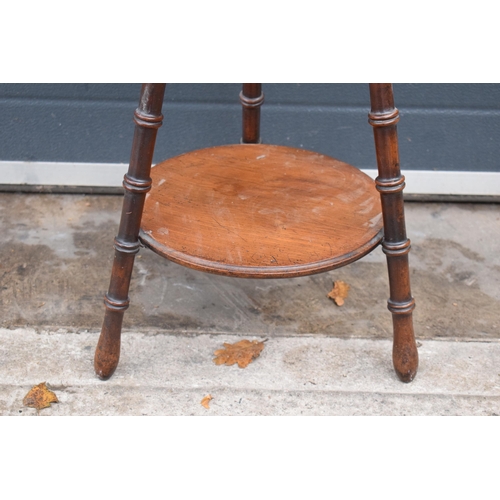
(251,98)
(390,183)
(137,183)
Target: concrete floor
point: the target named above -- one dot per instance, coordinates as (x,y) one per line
(56,254)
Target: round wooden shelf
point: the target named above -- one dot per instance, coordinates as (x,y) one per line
(260,211)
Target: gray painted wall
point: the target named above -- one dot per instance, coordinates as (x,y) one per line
(442,127)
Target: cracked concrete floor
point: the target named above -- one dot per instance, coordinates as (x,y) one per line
(56,254)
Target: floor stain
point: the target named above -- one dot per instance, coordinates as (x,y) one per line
(57,253)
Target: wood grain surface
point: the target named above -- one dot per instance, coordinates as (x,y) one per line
(260,211)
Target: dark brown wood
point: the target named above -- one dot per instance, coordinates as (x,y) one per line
(390,183)
(251,98)
(260,211)
(137,183)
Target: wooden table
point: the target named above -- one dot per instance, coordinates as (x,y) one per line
(261,211)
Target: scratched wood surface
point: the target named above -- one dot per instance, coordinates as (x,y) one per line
(260,211)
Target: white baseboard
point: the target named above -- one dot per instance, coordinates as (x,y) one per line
(431,182)
(62,174)
(110,175)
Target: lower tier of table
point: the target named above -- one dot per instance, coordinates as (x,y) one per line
(260,211)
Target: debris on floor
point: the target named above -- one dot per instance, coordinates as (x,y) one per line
(205,401)
(242,352)
(339,292)
(40,397)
